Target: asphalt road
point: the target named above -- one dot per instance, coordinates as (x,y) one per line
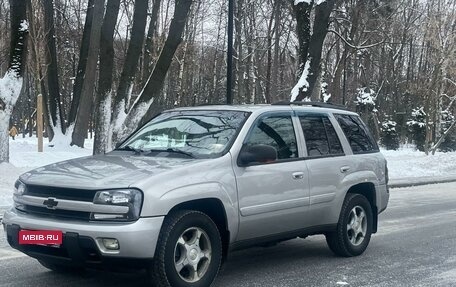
(415,246)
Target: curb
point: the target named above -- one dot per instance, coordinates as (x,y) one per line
(401,183)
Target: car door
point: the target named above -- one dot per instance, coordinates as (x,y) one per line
(327,164)
(273,196)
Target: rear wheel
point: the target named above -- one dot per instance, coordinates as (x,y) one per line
(354,228)
(189,251)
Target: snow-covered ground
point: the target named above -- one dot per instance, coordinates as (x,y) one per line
(24,156)
(406,164)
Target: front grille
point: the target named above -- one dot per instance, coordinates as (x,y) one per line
(61,193)
(54,213)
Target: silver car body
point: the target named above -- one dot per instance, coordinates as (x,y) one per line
(260,201)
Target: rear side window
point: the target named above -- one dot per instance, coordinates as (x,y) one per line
(321,138)
(357,134)
(278,132)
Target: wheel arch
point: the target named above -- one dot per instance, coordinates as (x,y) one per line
(214,208)
(367,189)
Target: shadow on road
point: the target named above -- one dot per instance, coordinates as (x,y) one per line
(250,263)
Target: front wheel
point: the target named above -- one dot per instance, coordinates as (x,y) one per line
(354,228)
(188,252)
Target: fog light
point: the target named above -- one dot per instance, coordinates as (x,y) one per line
(111,243)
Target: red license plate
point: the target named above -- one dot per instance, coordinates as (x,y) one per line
(41,237)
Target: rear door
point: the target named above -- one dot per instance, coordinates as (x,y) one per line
(273,197)
(327,164)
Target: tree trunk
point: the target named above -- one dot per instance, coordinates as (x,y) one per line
(238,65)
(142,110)
(150,43)
(269,60)
(54,98)
(82,64)
(123,94)
(104,94)
(11,83)
(315,47)
(86,100)
(302,14)
(276,62)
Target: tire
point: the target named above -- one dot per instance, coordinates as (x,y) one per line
(61,268)
(179,248)
(353,233)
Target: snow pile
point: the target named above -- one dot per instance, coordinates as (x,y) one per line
(24,152)
(60,139)
(408,163)
(24,156)
(302,84)
(9,173)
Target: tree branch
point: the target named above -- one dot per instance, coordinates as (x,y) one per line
(353,46)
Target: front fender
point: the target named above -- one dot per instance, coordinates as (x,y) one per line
(198,191)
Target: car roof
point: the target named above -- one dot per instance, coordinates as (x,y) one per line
(265,108)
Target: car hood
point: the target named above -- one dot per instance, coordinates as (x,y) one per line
(103,171)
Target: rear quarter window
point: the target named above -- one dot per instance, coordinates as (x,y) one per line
(357,133)
(320,136)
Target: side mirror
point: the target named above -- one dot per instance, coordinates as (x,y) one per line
(257,154)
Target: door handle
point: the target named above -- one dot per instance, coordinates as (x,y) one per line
(298,175)
(344,169)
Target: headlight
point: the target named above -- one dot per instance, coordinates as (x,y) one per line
(121,197)
(19,188)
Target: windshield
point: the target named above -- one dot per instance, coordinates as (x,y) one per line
(199,134)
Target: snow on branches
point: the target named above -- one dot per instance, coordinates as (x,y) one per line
(418,118)
(365,97)
(308,2)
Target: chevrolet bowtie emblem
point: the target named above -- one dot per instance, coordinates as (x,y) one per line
(50,203)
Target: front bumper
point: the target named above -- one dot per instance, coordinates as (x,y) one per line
(82,243)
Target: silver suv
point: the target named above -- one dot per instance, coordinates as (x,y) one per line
(195,183)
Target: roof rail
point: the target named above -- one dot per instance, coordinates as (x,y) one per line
(313,104)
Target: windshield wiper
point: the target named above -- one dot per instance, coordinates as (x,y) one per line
(130,148)
(172,150)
